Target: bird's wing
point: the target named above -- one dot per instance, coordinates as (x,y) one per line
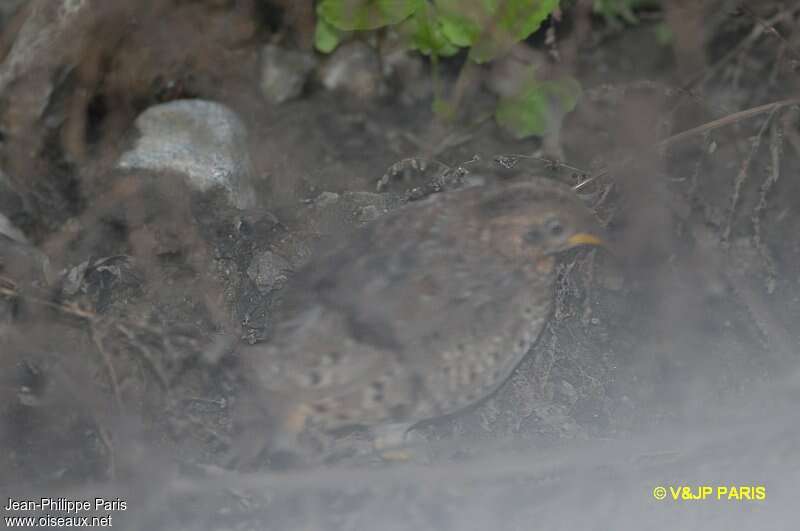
(330,334)
(400,294)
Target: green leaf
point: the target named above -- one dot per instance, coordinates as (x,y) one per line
(539,107)
(523,17)
(462,24)
(326,37)
(352,15)
(424,33)
(491,26)
(616,10)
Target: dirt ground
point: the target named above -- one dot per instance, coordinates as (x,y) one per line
(671,358)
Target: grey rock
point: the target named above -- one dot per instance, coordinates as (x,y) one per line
(203,140)
(284,72)
(269,271)
(355,70)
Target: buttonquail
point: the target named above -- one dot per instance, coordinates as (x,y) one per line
(422,312)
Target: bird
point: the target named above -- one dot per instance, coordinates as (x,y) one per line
(420,313)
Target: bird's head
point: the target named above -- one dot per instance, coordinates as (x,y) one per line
(536,218)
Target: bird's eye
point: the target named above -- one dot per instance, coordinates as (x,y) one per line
(554,228)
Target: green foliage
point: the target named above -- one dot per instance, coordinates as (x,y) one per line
(615,11)
(539,107)
(490,27)
(351,15)
(425,33)
(439,28)
(326,37)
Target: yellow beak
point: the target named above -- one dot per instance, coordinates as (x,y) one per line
(584,238)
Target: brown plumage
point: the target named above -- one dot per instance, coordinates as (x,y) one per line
(422,312)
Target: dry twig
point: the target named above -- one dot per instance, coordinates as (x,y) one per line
(743,175)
